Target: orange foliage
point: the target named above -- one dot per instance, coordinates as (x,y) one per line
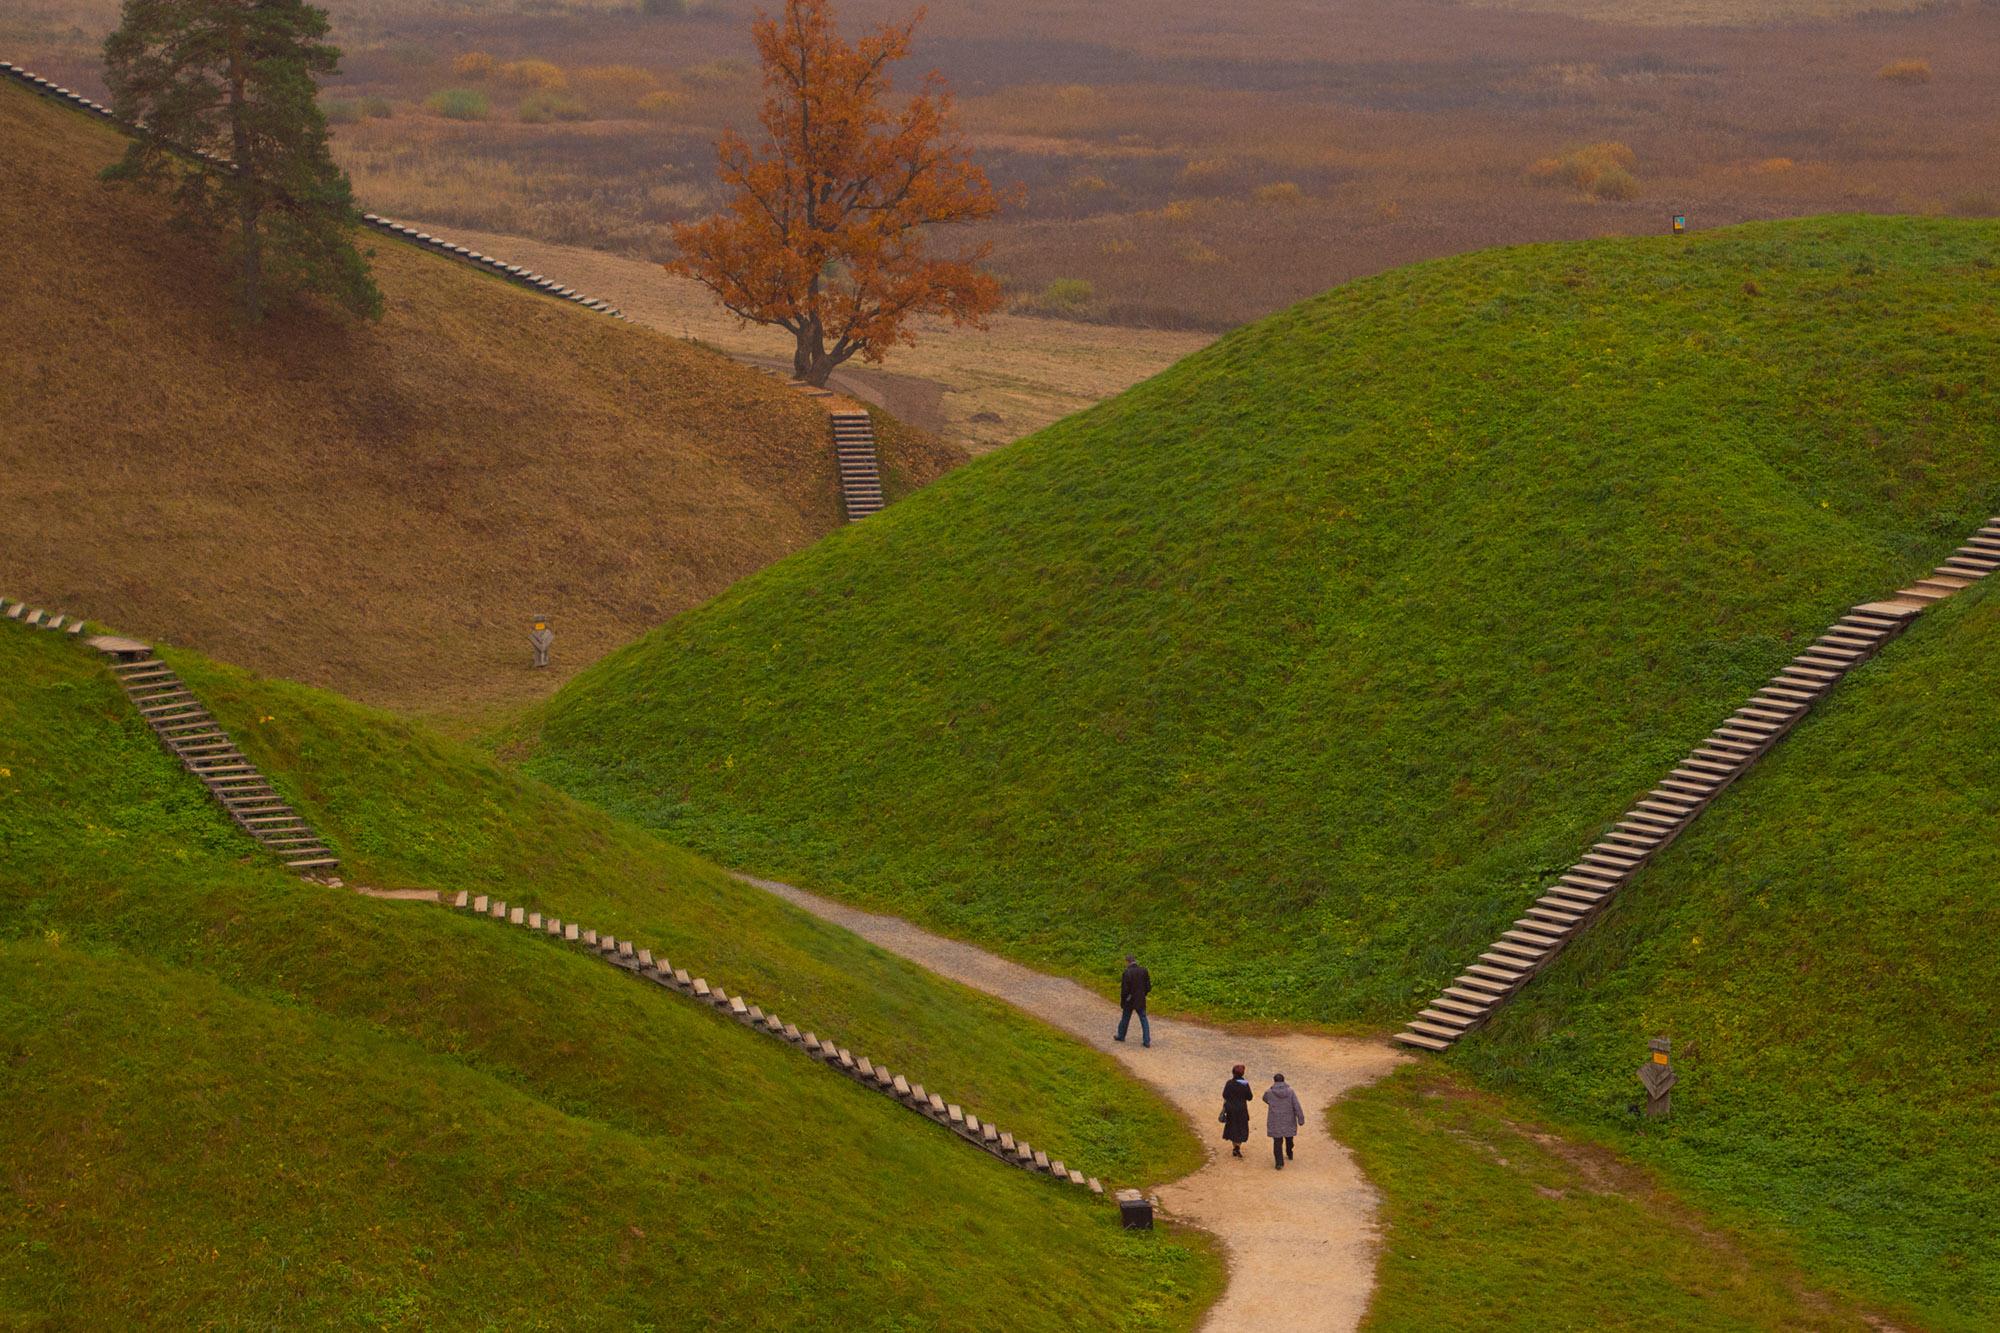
(825,234)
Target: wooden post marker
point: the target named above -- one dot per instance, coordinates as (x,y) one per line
(1659,1077)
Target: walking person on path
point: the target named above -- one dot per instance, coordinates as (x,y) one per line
(1284,1118)
(1236,1111)
(1132,988)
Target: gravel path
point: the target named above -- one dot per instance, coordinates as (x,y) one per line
(1302,1241)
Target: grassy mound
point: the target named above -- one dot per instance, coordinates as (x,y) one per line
(1819,948)
(1297,667)
(235,1097)
(374,508)
(1493,1220)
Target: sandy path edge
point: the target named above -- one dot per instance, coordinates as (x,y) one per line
(1301,1242)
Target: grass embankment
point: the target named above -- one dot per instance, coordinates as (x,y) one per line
(239,1098)
(1819,948)
(1494,1220)
(1298,667)
(374,508)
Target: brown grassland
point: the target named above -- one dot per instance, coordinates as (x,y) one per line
(1188,165)
(374,508)
(979,389)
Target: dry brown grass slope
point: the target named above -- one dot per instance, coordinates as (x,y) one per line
(377,509)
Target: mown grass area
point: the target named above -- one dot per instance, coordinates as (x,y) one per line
(1297,668)
(1819,949)
(235,1097)
(1492,1219)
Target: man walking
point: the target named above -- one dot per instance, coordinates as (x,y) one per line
(1132,988)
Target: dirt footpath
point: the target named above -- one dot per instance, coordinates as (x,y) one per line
(1302,1241)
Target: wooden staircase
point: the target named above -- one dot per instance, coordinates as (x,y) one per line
(1569,905)
(194,737)
(860,477)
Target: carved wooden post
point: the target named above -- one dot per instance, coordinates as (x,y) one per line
(1659,1077)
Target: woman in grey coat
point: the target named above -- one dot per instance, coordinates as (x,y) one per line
(1282,1121)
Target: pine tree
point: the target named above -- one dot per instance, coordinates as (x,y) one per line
(226,93)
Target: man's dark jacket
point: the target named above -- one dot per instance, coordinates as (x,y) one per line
(1132,987)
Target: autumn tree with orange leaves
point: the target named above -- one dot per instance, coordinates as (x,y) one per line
(827,230)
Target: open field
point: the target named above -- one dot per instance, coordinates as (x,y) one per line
(236,1098)
(1188,167)
(379,508)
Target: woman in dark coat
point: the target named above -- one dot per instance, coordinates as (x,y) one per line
(1236,1111)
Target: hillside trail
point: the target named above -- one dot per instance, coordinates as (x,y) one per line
(1301,1241)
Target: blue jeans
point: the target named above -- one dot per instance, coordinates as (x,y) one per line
(1125,1022)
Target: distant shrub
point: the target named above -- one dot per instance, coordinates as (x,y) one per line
(1177,210)
(538,74)
(342,111)
(1282,193)
(665,203)
(543,107)
(377,108)
(613,88)
(1905,71)
(458,103)
(1615,183)
(472,65)
(716,73)
(1068,293)
(663,102)
(1584,168)
(1197,252)
(664,9)
(1774,166)
(1089,182)
(1206,170)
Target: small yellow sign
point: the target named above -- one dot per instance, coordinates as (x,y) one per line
(1659,1057)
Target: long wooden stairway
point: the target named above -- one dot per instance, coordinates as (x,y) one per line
(1579,895)
(192,735)
(860,476)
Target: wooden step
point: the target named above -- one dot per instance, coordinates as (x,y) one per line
(1445,1019)
(1437,1031)
(1464,1008)
(1421,1041)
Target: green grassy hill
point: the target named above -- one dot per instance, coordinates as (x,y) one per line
(237,1098)
(1297,667)
(1820,948)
